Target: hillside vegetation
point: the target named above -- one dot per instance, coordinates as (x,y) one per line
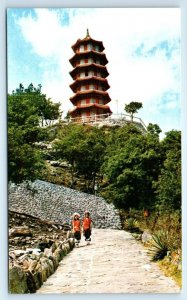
(135,171)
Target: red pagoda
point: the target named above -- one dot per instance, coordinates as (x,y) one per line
(90,83)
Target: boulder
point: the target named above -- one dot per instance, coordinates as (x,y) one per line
(37,277)
(17,281)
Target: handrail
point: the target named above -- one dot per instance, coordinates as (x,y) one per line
(106,118)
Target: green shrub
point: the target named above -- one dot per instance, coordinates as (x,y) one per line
(159,245)
(131,224)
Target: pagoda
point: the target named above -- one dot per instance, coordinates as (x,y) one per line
(90,84)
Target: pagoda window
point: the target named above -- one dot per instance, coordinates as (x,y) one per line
(83,101)
(95,73)
(91,86)
(101,101)
(88,101)
(86,73)
(97,101)
(86,61)
(96,86)
(97,48)
(82,88)
(87,87)
(85,47)
(78,62)
(94,60)
(83,114)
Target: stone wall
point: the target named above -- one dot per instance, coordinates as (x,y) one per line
(29,269)
(57,203)
(35,249)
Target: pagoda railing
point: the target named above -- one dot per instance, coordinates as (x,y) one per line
(107,119)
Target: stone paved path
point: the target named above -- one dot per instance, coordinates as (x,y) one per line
(113,263)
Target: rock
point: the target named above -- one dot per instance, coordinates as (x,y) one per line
(37,277)
(58,254)
(48,252)
(17,253)
(17,281)
(44,245)
(36,251)
(58,203)
(20,231)
(146,237)
(32,265)
(30,282)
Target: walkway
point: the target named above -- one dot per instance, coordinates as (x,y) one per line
(113,263)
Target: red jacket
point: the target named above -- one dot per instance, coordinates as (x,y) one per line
(86,223)
(76,225)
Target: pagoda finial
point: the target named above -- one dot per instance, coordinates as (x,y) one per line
(87,33)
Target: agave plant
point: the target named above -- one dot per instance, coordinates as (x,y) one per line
(158,246)
(131,224)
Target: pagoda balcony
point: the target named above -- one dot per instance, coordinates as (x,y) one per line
(89,54)
(88,67)
(89,80)
(87,94)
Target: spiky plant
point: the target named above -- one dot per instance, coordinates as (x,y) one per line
(131,224)
(158,246)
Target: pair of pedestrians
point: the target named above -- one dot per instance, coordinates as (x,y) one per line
(84,227)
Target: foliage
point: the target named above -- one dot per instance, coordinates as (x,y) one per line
(165,225)
(172,268)
(27,110)
(131,224)
(159,245)
(83,147)
(133,108)
(168,186)
(131,164)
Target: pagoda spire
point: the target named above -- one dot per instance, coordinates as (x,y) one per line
(87,33)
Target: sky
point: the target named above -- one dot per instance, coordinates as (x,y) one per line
(142,46)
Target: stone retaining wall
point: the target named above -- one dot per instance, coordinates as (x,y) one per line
(29,269)
(57,203)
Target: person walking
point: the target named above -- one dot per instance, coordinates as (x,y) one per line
(87,227)
(76,227)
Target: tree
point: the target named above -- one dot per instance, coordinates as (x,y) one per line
(133,108)
(168,186)
(26,109)
(153,129)
(83,147)
(131,165)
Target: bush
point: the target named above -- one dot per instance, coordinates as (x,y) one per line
(159,245)
(131,224)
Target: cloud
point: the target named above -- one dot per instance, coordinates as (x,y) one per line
(143,53)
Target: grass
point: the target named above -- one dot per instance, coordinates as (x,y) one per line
(171,270)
